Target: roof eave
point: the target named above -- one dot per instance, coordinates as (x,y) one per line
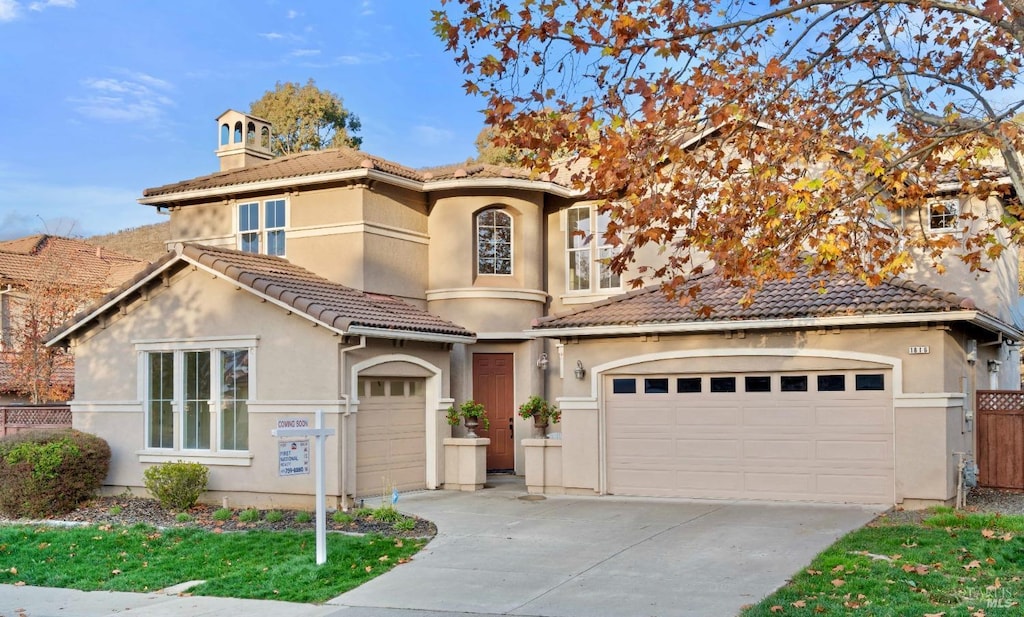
(980,319)
(410,335)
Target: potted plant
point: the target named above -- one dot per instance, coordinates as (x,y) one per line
(472,414)
(542,412)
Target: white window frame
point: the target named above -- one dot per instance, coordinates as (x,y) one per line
(953,204)
(596,248)
(215,455)
(511,241)
(262,231)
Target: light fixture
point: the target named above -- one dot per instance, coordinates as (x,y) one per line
(993,366)
(580,371)
(542,362)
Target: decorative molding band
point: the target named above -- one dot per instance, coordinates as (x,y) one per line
(106,407)
(487,293)
(375,229)
(303,407)
(576,403)
(931,399)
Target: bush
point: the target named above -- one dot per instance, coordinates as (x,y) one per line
(273,516)
(341,518)
(222,514)
(303,517)
(177,486)
(249,516)
(48,473)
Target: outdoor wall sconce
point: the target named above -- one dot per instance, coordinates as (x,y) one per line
(542,362)
(993,366)
(580,371)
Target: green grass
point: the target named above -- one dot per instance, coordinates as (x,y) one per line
(303,517)
(954,565)
(252,564)
(249,516)
(222,514)
(340,517)
(273,516)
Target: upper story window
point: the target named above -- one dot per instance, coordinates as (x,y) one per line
(588,254)
(943,214)
(493,242)
(261,226)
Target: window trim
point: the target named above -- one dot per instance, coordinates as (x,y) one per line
(262,230)
(511,240)
(216,454)
(953,218)
(595,247)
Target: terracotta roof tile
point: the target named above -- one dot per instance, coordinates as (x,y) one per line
(795,299)
(330,303)
(63,375)
(41,256)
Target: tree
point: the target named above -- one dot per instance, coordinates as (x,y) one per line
(306,118)
(489,150)
(772,138)
(41,304)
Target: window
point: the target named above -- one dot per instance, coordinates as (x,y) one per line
(210,387)
(624,386)
(793,383)
(831,383)
(870,382)
(723,384)
(265,138)
(250,134)
(238,133)
(688,385)
(657,385)
(493,242)
(588,267)
(943,215)
(225,134)
(757,383)
(268,238)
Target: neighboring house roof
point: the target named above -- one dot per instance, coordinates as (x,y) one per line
(339,308)
(337,164)
(780,303)
(63,376)
(42,256)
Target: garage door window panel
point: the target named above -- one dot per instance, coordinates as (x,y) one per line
(624,386)
(723,384)
(757,383)
(657,385)
(870,382)
(831,383)
(688,385)
(793,383)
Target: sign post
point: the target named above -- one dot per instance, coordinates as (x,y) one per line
(300,428)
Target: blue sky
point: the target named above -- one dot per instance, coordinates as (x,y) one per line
(103,98)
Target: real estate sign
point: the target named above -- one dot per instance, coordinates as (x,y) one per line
(293,457)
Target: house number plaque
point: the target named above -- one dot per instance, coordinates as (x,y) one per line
(918,350)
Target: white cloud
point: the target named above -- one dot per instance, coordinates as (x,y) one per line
(45,4)
(431,135)
(270,36)
(362,58)
(367,8)
(304,52)
(9,10)
(292,14)
(136,97)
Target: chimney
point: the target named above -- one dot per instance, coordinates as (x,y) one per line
(243,140)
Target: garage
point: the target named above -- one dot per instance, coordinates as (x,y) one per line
(791,436)
(390,435)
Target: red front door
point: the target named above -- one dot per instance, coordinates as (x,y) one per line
(492,387)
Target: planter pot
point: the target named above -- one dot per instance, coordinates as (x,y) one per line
(540,422)
(471,424)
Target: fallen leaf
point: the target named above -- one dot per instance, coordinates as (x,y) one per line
(942,614)
(909,544)
(988,533)
(115,572)
(994,586)
(369,568)
(13,570)
(990,561)
(776,609)
(980,613)
(813,572)
(973,565)
(1006,537)
(383,558)
(820,609)
(399,544)
(799,604)
(838,582)
(20,584)
(839,568)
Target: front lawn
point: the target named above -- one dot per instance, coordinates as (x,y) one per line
(952,565)
(251,564)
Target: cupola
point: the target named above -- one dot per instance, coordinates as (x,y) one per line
(242,140)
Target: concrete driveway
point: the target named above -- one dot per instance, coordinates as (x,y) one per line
(497,553)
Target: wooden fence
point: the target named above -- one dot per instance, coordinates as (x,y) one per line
(17,418)
(1000,454)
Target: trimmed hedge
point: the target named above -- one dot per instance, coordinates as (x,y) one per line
(48,473)
(177,486)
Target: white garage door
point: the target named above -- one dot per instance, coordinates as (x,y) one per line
(391,444)
(783,436)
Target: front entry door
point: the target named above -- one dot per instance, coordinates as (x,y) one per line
(492,387)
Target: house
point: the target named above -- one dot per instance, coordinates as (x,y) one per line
(381,294)
(43,279)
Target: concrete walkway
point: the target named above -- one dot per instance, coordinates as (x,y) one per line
(498,553)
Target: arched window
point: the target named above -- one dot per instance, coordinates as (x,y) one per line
(493,242)
(250,134)
(238,133)
(225,134)
(265,138)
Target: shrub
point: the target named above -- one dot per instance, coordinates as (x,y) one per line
(387,514)
(406,524)
(222,514)
(183,517)
(249,516)
(177,486)
(341,518)
(303,517)
(47,473)
(273,516)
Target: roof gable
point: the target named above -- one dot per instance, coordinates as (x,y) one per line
(41,257)
(342,309)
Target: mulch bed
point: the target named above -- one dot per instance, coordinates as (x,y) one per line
(978,500)
(135,510)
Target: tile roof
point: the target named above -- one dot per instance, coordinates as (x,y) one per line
(307,165)
(63,376)
(41,256)
(330,303)
(797,298)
